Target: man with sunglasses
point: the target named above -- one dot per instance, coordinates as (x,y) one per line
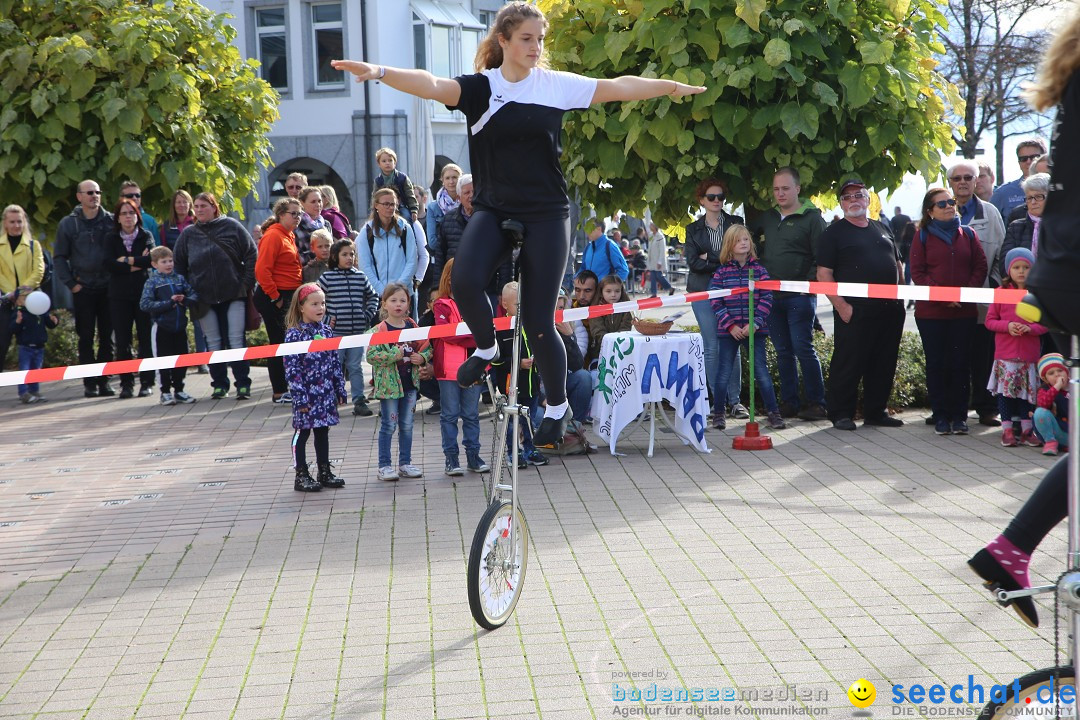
(80,253)
(1011,195)
(866,331)
(129,190)
(985,220)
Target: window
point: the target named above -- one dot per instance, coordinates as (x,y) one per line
(328,43)
(270,32)
(445,38)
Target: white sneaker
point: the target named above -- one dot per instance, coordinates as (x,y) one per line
(410,471)
(167,399)
(740,412)
(183,397)
(387,473)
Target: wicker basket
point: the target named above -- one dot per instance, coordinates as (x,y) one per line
(652,328)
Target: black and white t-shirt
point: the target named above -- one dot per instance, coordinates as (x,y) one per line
(514,139)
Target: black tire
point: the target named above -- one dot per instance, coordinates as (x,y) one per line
(492,604)
(1010,709)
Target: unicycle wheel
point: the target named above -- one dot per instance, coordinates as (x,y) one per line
(497,571)
(1036,697)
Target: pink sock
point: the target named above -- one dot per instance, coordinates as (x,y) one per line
(1025,425)
(1012,559)
(1006,424)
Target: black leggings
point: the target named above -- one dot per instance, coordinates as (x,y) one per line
(1046,507)
(543,259)
(322,446)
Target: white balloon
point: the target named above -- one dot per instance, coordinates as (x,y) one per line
(38,302)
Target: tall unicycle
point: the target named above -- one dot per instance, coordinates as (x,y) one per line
(500,547)
(1051,692)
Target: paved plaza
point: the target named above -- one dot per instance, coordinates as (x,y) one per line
(155,562)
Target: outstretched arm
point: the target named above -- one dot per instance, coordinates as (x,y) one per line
(629,87)
(420,83)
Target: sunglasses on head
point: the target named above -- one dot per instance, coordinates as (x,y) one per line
(946,203)
(965,178)
(713,197)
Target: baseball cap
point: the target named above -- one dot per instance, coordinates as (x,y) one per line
(850,181)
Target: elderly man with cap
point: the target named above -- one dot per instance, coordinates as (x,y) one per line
(866,331)
(985,220)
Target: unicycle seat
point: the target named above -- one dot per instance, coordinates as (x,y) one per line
(514,231)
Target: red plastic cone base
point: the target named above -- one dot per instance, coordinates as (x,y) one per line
(751,439)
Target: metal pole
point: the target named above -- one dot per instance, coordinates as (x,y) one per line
(751,354)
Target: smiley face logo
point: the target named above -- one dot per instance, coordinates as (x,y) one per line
(862,693)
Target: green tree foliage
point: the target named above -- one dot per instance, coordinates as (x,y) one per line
(114,89)
(827,86)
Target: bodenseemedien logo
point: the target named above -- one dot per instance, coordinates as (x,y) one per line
(862,694)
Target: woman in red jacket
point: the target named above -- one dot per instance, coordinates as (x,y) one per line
(456,401)
(945,254)
(279,273)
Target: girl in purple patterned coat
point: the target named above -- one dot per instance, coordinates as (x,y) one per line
(317,386)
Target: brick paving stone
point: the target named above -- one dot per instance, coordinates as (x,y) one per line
(834,555)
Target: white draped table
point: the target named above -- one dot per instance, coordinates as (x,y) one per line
(637,372)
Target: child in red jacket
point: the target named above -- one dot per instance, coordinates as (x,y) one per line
(456,401)
(1013,378)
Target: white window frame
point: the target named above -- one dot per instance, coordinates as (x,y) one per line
(314,29)
(283,31)
(453,17)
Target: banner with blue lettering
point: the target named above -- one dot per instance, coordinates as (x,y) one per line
(636,369)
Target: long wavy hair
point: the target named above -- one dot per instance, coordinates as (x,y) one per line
(489,54)
(1062,59)
(174,219)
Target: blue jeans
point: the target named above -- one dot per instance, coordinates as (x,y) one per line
(791,327)
(579,387)
(396,413)
(706,320)
(30,358)
(1048,427)
(727,358)
(223,326)
(458,402)
(200,338)
(657,277)
(352,359)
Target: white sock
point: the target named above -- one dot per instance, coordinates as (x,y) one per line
(555,412)
(485,353)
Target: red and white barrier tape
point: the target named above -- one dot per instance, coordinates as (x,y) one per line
(119,367)
(897,292)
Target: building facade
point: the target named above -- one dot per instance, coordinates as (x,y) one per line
(330,127)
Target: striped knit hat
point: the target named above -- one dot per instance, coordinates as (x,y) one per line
(1051,360)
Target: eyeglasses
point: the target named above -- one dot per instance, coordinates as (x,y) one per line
(387,204)
(852,196)
(294,213)
(713,197)
(1027,158)
(132,196)
(951,202)
(90,192)
(965,178)
(1035,198)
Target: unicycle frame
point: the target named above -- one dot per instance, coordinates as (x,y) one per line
(1069,587)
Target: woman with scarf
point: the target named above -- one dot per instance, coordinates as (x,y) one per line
(445,201)
(311,219)
(1024,232)
(945,254)
(128,261)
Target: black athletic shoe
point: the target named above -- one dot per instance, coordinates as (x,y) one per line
(551,431)
(472,371)
(884,421)
(844,424)
(997,577)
